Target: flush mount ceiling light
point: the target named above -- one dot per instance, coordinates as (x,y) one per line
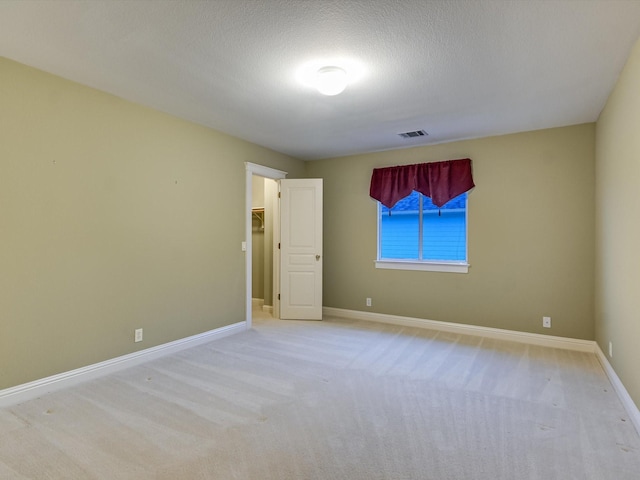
(331,80)
(312,73)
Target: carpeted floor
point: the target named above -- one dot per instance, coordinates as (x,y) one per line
(337,399)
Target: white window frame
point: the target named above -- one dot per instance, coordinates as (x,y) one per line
(423,265)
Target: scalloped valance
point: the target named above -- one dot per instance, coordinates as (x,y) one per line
(440,181)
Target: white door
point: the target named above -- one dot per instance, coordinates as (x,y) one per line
(301,249)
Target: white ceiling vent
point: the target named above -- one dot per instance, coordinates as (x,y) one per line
(417,133)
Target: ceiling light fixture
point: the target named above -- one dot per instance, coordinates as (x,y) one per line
(331,80)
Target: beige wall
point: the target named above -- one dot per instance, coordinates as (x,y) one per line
(257,259)
(617,312)
(531,235)
(113,217)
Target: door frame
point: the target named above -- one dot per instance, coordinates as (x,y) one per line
(261,171)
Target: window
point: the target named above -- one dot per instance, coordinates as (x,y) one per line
(420,236)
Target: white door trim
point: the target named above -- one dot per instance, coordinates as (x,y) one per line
(262,171)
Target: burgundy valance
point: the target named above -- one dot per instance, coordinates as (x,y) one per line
(440,181)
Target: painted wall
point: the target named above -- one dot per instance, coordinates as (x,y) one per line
(617,311)
(113,217)
(258,259)
(530,235)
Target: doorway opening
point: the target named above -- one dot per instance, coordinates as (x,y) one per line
(262,228)
(263,208)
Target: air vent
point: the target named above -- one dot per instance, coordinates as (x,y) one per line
(417,133)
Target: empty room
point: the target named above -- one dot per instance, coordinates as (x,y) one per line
(295,239)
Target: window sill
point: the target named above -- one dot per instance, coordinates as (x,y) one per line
(450,267)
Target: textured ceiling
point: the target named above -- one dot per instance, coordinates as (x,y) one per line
(457,69)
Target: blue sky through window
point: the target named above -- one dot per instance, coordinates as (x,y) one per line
(444,230)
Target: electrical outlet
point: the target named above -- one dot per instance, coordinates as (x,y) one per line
(546,322)
(138,335)
(610,350)
(368,302)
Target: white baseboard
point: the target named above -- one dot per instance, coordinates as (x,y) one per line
(258,303)
(31,390)
(588,346)
(623,395)
(464,329)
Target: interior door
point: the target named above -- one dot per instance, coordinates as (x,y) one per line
(301,249)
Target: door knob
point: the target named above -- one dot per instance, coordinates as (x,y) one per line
(317,257)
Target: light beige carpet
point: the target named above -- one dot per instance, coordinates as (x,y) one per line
(337,399)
